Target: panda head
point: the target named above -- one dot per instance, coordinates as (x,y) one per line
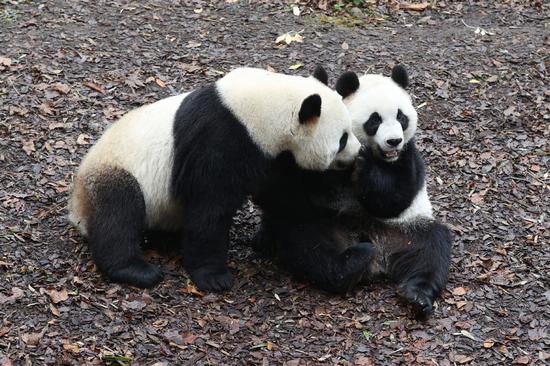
(382,113)
(324,138)
(301,115)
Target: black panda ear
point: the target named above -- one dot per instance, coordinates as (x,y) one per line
(347,84)
(320,74)
(310,111)
(400,76)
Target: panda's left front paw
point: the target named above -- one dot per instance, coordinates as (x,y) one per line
(420,295)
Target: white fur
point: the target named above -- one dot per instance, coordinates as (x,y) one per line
(141,143)
(420,208)
(268,105)
(381,94)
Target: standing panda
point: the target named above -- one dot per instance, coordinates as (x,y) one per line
(348,226)
(189,161)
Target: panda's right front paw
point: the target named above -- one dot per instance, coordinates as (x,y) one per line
(212,278)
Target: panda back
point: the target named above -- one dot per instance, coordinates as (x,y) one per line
(140,143)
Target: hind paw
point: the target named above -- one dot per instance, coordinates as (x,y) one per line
(420,295)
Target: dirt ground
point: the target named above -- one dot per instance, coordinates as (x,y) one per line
(480,75)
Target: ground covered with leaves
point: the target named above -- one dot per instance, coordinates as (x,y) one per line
(480,75)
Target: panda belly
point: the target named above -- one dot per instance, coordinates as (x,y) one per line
(141,143)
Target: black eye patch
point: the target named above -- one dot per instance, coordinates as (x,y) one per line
(371,126)
(343,141)
(403,119)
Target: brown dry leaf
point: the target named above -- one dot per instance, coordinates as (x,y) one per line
(160,83)
(94,87)
(535,168)
(54,310)
(45,108)
(322,4)
(193,44)
(71,347)
(459,291)
(4,61)
(460,359)
(192,290)
(83,139)
(58,296)
(61,88)
(16,294)
(521,360)
(270,68)
(188,338)
(32,339)
(414,7)
(488,343)
(28,146)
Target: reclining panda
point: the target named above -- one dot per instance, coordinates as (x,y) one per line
(188,163)
(338,228)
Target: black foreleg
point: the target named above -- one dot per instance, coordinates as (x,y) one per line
(422,269)
(115,230)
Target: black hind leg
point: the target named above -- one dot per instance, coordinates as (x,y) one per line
(318,253)
(115,230)
(421,271)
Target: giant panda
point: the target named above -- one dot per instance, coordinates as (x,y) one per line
(338,228)
(188,162)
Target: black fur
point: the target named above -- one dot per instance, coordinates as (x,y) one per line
(310,109)
(319,227)
(347,84)
(320,74)
(115,230)
(387,188)
(216,165)
(400,76)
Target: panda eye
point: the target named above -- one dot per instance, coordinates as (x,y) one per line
(371,126)
(403,119)
(343,141)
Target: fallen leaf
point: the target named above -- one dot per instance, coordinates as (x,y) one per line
(296,10)
(4,61)
(295,66)
(289,37)
(83,139)
(488,343)
(160,83)
(270,68)
(460,359)
(414,7)
(192,290)
(188,338)
(71,347)
(535,168)
(28,146)
(345,46)
(459,291)
(54,310)
(193,44)
(521,360)
(62,88)
(32,339)
(58,296)
(16,294)
(94,87)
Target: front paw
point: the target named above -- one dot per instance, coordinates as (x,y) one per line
(212,278)
(420,294)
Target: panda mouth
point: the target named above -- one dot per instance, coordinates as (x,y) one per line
(392,154)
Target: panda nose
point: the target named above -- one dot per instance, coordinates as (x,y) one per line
(394,142)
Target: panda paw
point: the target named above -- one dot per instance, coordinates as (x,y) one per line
(212,278)
(420,295)
(351,269)
(139,273)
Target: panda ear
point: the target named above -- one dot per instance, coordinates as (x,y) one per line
(400,76)
(320,74)
(347,84)
(310,111)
